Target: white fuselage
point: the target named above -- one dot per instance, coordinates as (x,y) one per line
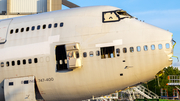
(96,75)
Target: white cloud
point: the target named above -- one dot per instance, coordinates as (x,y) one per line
(176,64)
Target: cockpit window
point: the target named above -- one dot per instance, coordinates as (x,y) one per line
(110,16)
(114,16)
(123,14)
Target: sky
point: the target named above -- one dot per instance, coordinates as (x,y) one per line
(161,13)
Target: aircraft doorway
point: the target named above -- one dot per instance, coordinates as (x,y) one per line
(61,58)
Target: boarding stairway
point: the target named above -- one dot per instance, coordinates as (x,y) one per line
(129,94)
(145,92)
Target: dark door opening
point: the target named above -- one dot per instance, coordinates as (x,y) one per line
(61,58)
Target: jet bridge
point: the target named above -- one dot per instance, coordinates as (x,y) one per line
(19,89)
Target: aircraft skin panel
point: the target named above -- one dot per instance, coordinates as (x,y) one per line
(4,25)
(96,76)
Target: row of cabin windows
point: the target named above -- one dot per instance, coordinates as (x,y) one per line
(38,28)
(108,52)
(24,62)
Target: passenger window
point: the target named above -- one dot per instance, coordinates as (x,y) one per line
(91,53)
(167,45)
(2,64)
(61,24)
(35,60)
(145,48)
(17,30)
(55,25)
(50,25)
(138,48)
(152,47)
(10,83)
(18,62)
(107,52)
(131,49)
(124,50)
(29,61)
(84,54)
(11,31)
(24,61)
(160,46)
(97,53)
(22,29)
(33,28)
(77,54)
(13,63)
(118,51)
(7,64)
(44,26)
(27,29)
(38,27)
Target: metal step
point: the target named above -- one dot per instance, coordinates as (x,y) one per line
(145,92)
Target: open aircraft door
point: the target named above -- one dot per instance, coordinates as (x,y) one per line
(19,89)
(68,57)
(4,26)
(73,56)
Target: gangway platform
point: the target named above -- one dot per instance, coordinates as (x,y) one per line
(174,80)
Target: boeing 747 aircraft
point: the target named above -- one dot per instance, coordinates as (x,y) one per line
(74,54)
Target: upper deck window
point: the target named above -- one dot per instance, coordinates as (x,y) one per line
(17,30)
(22,29)
(11,31)
(61,24)
(27,29)
(50,25)
(55,25)
(33,28)
(44,26)
(38,27)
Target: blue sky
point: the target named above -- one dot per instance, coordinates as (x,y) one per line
(161,13)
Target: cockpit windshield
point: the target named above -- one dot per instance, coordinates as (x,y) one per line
(123,14)
(114,16)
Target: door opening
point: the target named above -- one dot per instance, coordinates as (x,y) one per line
(61,58)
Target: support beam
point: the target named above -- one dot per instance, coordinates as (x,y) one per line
(69,4)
